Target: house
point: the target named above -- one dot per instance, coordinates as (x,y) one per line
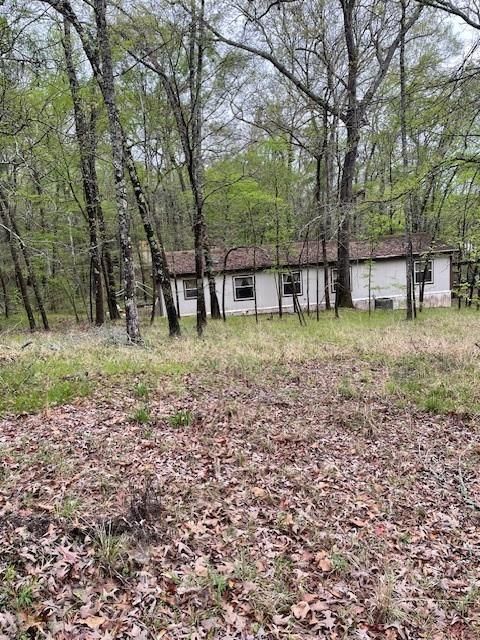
(248,277)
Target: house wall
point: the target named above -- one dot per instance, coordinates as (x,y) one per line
(387,281)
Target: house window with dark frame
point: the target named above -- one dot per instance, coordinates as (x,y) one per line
(289,281)
(243,288)
(423,271)
(334,278)
(190,289)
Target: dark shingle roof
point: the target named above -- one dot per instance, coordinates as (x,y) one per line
(302,254)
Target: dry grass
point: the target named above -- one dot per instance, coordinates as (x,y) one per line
(433,362)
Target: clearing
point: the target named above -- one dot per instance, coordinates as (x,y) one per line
(269,481)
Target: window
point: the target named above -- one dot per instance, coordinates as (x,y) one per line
(190,289)
(424,272)
(334,278)
(243,288)
(289,280)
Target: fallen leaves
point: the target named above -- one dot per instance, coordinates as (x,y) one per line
(323,562)
(261,520)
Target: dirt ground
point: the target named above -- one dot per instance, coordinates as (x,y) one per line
(291,507)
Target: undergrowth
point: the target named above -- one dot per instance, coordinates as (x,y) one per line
(432,363)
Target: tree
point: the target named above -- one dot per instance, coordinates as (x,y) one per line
(370,39)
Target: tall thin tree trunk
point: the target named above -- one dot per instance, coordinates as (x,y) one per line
(104,249)
(410,281)
(321,208)
(343,293)
(6,299)
(108,90)
(32,276)
(196,173)
(22,285)
(159,258)
(89,190)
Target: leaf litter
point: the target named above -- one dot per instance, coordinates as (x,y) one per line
(282,509)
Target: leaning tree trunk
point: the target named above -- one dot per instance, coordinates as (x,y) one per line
(28,262)
(108,90)
(89,189)
(159,259)
(22,285)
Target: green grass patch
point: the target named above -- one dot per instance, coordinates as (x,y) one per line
(430,362)
(437,382)
(182,418)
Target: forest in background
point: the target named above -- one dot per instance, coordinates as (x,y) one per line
(188,124)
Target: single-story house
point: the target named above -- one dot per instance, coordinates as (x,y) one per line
(248,276)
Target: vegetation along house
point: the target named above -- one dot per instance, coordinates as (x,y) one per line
(255,277)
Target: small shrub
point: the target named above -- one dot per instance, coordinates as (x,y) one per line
(182,418)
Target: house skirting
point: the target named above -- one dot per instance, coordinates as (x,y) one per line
(430,300)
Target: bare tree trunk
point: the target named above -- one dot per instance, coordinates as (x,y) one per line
(322,214)
(32,276)
(343,292)
(6,299)
(108,90)
(106,257)
(410,277)
(196,174)
(159,258)
(89,190)
(22,285)
(142,273)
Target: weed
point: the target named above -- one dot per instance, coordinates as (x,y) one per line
(142,415)
(182,418)
(109,548)
(147,432)
(383,607)
(340,563)
(67,508)
(141,390)
(218,583)
(345,390)
(19,597)
(469,600)
(24,596)
(245,569)
(405,537)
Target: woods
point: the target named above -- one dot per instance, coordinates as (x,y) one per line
(129,129)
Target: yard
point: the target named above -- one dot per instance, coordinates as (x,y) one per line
(268,481)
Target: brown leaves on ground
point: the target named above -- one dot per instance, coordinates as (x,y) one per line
(286,511)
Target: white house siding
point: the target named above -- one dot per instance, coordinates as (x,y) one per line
(387,281)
